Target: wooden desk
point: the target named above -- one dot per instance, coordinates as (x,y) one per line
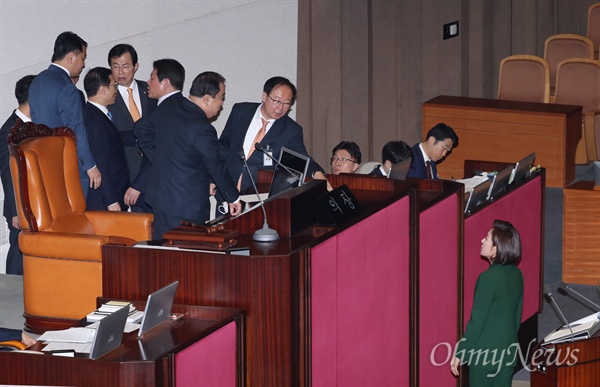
(507,131)
(202,349)
(581,234)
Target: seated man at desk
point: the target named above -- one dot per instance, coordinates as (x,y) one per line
(392,153)
(345,157)
(437,145)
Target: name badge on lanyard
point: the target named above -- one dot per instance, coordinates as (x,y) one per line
(267,161)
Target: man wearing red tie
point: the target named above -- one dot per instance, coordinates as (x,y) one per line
(437,145)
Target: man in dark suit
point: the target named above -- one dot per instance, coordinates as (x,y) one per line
(55,101)
(183,149)
(14,258)
(131,104)
(105,142)
(267,123)
(392,153)
(437,145)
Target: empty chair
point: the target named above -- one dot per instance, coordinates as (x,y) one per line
(565,46)
(524,78)
(578,83)
(366,168)
(593,27)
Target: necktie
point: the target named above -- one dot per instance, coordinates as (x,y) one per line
(133,109)
(258,138)
(428,169)
(109,114)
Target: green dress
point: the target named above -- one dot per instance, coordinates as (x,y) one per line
(490,343)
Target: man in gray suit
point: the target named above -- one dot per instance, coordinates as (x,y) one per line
(131,104)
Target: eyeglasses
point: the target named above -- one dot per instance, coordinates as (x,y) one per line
(280,103)
(343,160)
(125,67)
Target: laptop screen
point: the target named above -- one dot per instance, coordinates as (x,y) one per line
(109,333)
(297,165)
(400,169)
(158,307)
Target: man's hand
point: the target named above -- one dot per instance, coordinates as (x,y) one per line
(235,208)
(114,207)
(15,222)
(27,340)
(212,190)
(95,177)
(131,196)
(320,176)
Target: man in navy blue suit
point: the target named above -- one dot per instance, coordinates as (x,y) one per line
(14,258)
(182,147)
(247,120)
(105,142)
(55,101)
(131,104)
(437,145)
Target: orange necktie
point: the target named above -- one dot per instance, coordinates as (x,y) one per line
(133,109)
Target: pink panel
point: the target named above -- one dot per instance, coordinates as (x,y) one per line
(523,208)
(371,303)
(209,362)
(438,290)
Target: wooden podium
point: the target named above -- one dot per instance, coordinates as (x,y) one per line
(324,305)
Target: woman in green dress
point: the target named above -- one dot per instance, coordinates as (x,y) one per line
(490,344)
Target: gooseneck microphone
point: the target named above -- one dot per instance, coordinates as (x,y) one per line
(265,234)
(548,294)
(261,149)
(580,297)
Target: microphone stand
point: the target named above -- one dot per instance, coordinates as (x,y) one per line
(264,234)
(548,293)
(595,307)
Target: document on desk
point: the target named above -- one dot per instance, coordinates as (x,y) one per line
(472,182)
(71,335)
(77,347)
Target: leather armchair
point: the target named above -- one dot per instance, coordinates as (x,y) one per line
(61,242)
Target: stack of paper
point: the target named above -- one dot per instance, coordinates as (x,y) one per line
(111,307)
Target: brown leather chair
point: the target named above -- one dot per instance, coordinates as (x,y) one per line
(524,78)
(565,46)
(578,83)
(61,241)
(593,27)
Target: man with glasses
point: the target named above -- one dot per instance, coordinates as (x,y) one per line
(345,157)
(438,144)
(266,123)
(131,104)
(105,142)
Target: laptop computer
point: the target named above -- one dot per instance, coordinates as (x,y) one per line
(283,180)
(109,333)
(522,169)
(399,170)
(500,182)
(478,196)
(158,307)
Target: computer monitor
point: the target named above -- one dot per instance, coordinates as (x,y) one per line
(297,168)
(399,170)
(522,169)
(500,182)
(478,196)
(109,333)
(158,307)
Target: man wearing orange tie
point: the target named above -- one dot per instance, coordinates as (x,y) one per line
(131,104)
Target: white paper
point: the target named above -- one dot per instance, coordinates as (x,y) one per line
(71,335)
(79,348)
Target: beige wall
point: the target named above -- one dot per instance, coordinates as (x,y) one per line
(366,66)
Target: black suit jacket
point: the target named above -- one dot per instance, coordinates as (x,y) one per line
(376,171)
(137,163)
(107,148)
(417,166)
(10,207)
(183,149)
(285,132)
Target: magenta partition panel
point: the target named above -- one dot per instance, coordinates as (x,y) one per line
(439,260)
(360,302)
(523,208)
(209,362)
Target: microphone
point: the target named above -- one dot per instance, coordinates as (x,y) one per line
(548,294)
(261,149)
(572,292)
(265,234)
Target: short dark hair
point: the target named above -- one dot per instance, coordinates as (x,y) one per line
(94,79)
(508,243)
(351,147)
(22,89)
(207,82)
(172,70)
(121,49)
(395,151)
(441,132)
(65,43)
(272,83)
